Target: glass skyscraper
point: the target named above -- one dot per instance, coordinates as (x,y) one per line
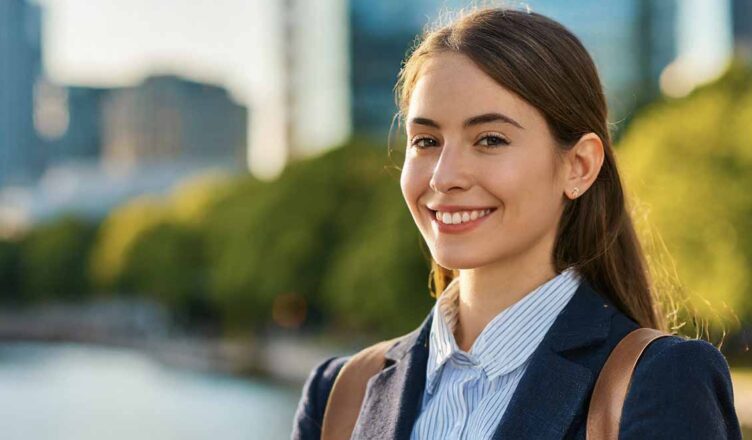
(631,41)
(21,158)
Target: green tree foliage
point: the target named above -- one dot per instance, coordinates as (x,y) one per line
(10,260)
(192,200)
(379,278)
(688,163)
(53,260)
(166,261)
(117,235)
(124,226)
(318,233)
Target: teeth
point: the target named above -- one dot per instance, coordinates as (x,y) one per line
(460,216)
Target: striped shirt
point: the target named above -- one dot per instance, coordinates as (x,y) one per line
(466,394)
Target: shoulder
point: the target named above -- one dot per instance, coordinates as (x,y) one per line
(309,415)
(310,410)
(681,388)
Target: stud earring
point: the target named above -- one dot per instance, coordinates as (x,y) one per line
(575,192)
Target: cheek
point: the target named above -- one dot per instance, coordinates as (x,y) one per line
(505,181)
(536,195)
(413,181)
(524,187)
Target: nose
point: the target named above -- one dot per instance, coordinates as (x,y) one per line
(452,170)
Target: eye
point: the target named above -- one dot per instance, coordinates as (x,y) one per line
(494,140)
(416,142)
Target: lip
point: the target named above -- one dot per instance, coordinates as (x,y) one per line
(458,228)
(453,208)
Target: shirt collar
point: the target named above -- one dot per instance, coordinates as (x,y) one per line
(509,338)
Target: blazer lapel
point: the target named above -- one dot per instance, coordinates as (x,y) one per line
(542,407)
(554,388)
(392,399)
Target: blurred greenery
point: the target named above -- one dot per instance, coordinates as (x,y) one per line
(53,260)
(311,234)
(330,243)
(379,279)
(117,236)
(10,277)
(688,163)
(167,262)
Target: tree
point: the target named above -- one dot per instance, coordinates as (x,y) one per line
(688,163)
(10,262)
(53,260)
(166,262)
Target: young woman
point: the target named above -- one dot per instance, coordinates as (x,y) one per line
(511,179)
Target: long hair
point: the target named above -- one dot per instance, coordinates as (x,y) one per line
(545,64)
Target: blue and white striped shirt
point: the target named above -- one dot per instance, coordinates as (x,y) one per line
(466,394)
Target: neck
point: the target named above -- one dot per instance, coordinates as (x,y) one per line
(486,291)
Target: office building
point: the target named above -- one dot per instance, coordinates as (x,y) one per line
(166,118)
(21,158)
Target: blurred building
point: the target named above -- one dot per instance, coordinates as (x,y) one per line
(381,33)
(342,80)
(742,27)
(631,41)
(705,45)
(69,120)
(317,71)
(21,158)
(105,146)
(307,105)
(167,118)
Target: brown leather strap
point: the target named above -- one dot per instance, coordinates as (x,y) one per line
(604,413)
(346,396)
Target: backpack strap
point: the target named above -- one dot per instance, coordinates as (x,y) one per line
(346,397)
(612,385)
(604,412)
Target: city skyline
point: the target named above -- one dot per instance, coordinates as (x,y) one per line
(267,55)
(84,44)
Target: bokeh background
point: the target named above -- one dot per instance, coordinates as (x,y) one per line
(198,202)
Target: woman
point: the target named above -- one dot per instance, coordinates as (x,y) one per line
(510,177)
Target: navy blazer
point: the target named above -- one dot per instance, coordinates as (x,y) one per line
(681,388)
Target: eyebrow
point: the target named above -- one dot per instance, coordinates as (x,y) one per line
(475,120)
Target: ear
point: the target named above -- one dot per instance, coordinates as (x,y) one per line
(584,161)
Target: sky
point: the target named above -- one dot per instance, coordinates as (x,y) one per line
(237,44)
(234,42)
(116,42)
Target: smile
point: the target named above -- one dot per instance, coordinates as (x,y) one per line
(459,221)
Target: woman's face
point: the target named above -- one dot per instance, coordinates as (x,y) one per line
(459,161)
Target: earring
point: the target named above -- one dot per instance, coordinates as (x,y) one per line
(575,192)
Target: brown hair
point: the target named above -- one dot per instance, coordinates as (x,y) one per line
(546,65)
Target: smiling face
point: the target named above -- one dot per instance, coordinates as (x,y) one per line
(505,160)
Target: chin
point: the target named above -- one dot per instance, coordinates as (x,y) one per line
(453,262)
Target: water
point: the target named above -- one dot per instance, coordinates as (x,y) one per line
(69,391)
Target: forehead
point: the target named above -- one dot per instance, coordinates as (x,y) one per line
(451,88)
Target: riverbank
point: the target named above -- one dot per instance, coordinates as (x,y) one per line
(279,356)
(70,391)
(275,355)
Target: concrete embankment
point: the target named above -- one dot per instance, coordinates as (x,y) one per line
(277,355)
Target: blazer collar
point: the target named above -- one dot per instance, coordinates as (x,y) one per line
(393,397)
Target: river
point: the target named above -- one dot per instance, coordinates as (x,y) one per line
(73,391)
